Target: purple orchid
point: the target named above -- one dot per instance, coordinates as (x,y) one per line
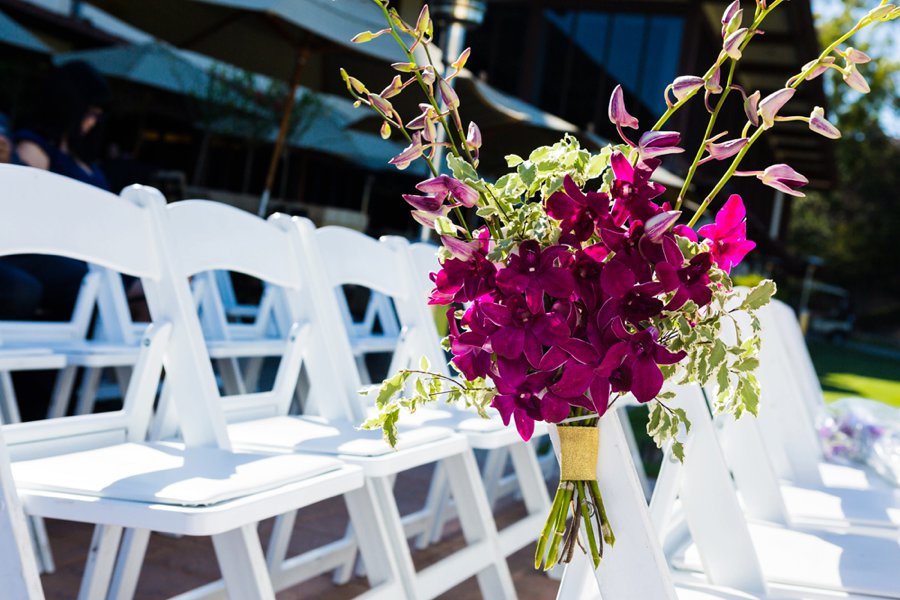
(524,397)
(522,331)
(634,302)
(659,143)
(632,189)
(578,212)
(461,280)
(635,362)
(727,237)
(470,348)
(689,282)
(534,271)
(444,184)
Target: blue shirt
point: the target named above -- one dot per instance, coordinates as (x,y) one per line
(62,163)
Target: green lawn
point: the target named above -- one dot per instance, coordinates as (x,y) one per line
(847,372)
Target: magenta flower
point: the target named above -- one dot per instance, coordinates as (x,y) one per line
(470,348)
(632,189)
(783,178)
(463,280)
(533,272)
(458,190)
(632,301)
(524,398)
(519,330)
(685,231)
(578,212)
(727,237)
(586,269)
(637,358)
(689,282)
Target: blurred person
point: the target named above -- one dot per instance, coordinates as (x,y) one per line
(20,292)
(61,134)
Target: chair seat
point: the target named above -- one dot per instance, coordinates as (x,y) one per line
(871,507)
(859,477)
(855,563)
(314,434)
(166,473)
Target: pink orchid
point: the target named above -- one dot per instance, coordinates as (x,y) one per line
(727,237)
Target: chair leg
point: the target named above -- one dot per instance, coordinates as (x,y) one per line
(87,395)
(282,529)
(242,564)
(252,372)
(10,408)
(372,539)
(436,491)
(232,382)
(441,507)
(100,562)
(493,473)
(128,564)
(477,524)
(41,544)
(382,489)
(62,391)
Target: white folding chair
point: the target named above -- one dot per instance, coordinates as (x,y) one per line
(716,540)
(96,468)
(205,236)
(330,259)
(793,501)
(800,394)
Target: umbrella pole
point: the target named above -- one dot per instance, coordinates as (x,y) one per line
(299,62)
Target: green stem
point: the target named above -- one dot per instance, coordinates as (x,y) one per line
(583,499)
(709,129)
(606,529)
(798,79)
(757,21)
(567,488)
(549,527)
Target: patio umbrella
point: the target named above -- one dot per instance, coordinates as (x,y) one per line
(152,64)
(13,34)
(272,37)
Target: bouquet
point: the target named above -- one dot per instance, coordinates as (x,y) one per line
(568,285)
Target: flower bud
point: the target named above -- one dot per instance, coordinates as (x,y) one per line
(686,84)
(473,137)
(659,143)
(725,149)
(424,26)
(728,17)
(855,80)
(858,57)
(428,75)
(713,84)
(819,124)
(385,130)
(783,178)
(460,62)
(771,104)
(751,108)
(410,153)
(733,43)
(431,204)
(448,94)
(820,67)
(658,225)
(617,112)
(380,104)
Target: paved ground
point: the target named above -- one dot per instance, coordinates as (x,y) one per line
(174,565)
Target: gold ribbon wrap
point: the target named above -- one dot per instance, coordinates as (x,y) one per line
(578,448)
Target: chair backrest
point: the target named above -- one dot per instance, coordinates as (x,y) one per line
(209,236)
(43,213)
(786,423)
(337,257)
(791,335)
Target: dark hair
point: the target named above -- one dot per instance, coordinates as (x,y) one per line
(64,98)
